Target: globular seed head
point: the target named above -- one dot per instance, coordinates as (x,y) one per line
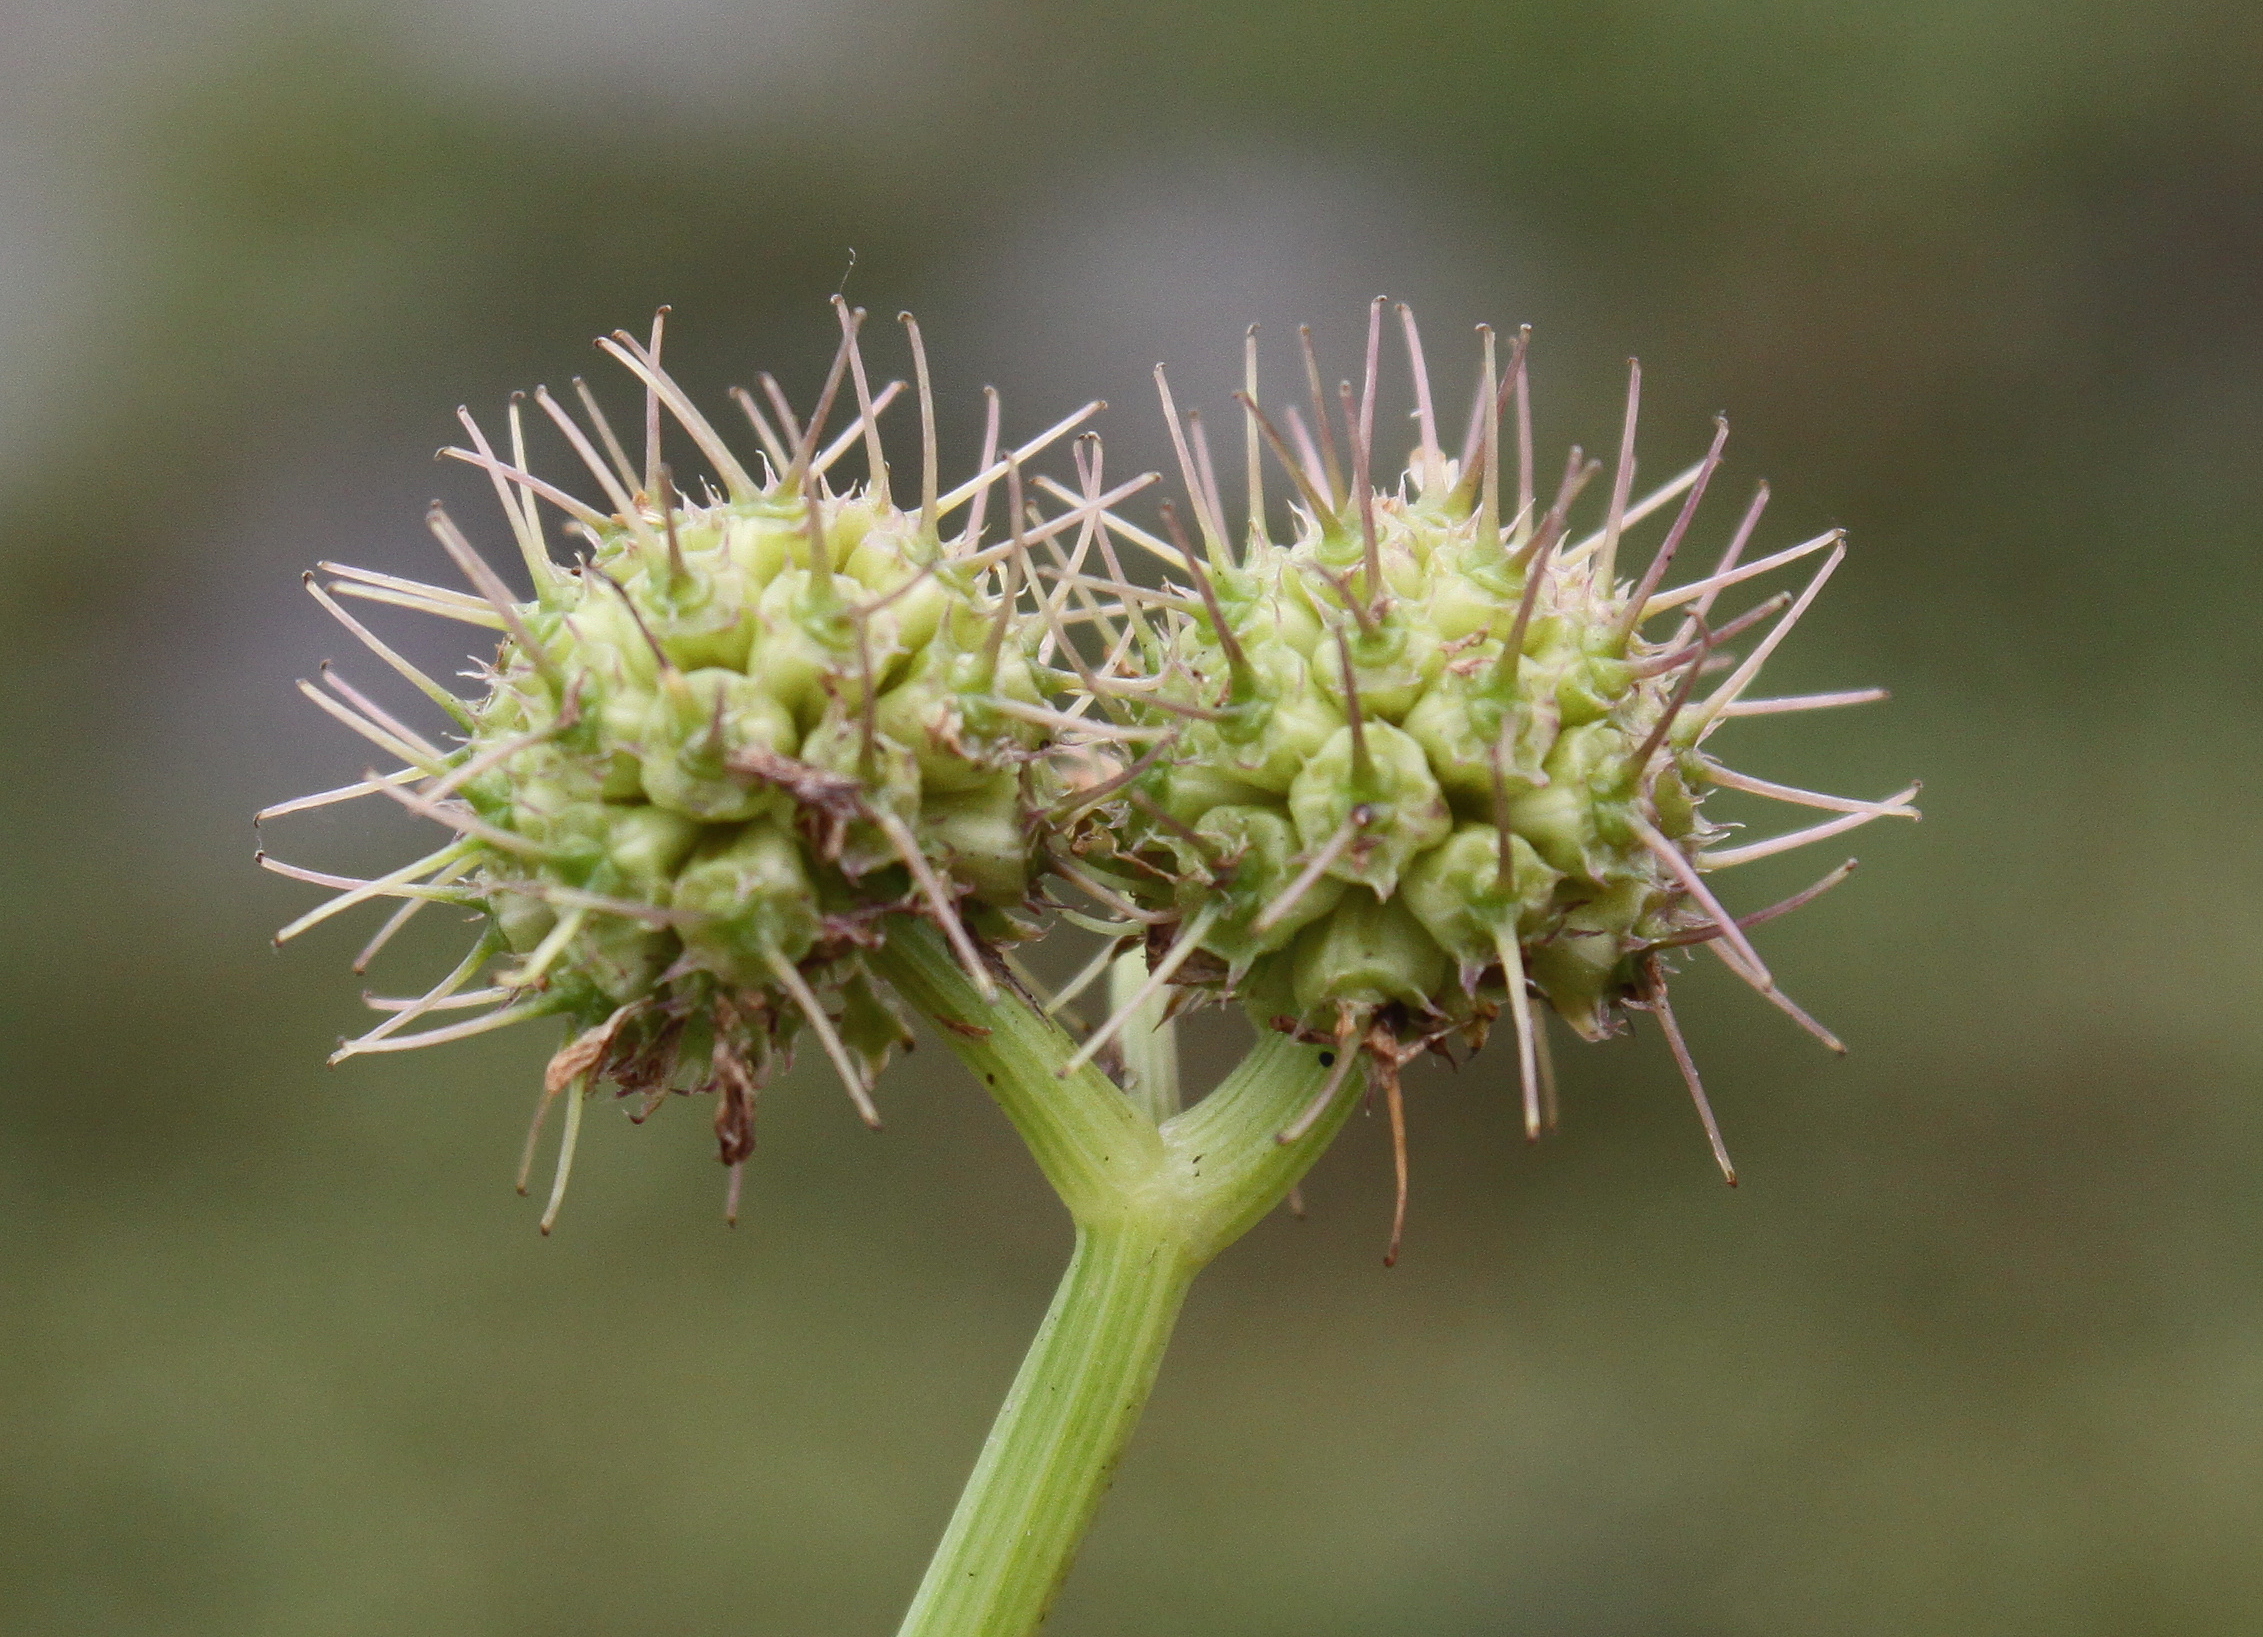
(1432,755)
(718,746)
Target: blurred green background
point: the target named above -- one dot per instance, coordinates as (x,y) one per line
(1978,1346)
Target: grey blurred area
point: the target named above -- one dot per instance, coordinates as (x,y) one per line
(1977,1346)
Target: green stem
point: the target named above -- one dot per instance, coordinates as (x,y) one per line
(1152,1207)
(1084,1133)
(1056,1442)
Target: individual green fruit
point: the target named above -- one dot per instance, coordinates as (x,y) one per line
(716,752)
(1430,757)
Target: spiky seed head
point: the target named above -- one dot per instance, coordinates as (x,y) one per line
(1433,752)
(717,747)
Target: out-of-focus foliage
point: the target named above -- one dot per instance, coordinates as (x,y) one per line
(1977,1347)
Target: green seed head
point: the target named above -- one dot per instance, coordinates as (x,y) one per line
(725,736)
(1432,755)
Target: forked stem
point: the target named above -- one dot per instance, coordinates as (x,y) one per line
(1152,1206)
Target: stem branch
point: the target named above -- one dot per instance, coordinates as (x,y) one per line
(1152,1206)
(1086,1136)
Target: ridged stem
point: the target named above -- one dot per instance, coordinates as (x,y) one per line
(1055,1444)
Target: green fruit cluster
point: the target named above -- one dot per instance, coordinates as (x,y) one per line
(1425,761)
(1467,803)
(1421,760)
(764,723)
(716,752)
